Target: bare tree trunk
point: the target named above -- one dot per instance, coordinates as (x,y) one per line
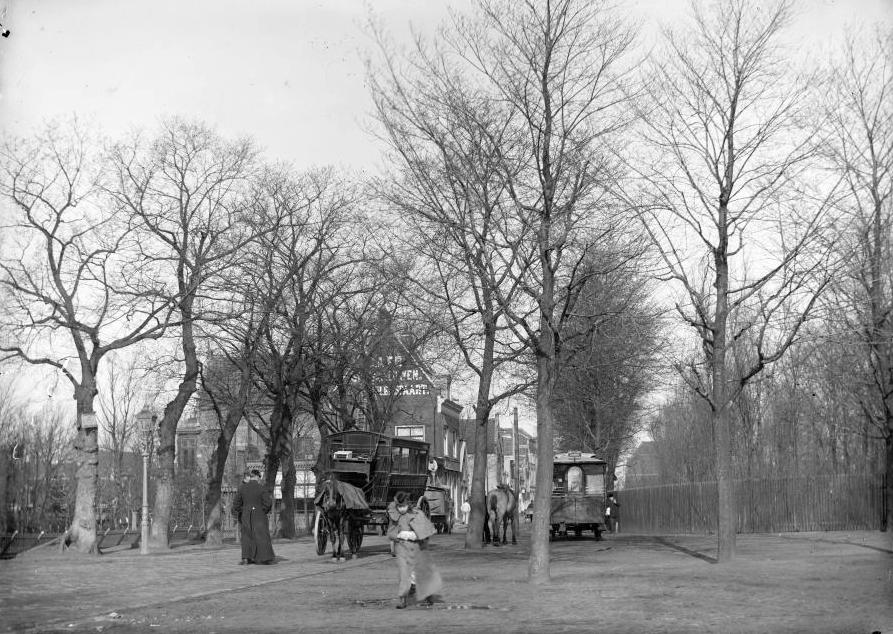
(217,461)
(82,532)
(279,455)
(5,452)
(167,431)
(287,514)
(722,434)
(216,469)
(475,531)
(271,468)
(538,569)
(164,488)
(881,349)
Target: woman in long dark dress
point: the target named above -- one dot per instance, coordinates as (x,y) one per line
(253,502)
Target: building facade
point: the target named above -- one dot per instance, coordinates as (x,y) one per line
(501,457)
(423,410)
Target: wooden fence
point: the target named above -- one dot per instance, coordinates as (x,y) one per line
(771,505)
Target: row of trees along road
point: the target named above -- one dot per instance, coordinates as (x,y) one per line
(192,240)
(826,405)
(535,155)
(529,135)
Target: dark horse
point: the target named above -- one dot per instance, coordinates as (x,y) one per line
(501,504)
(340,517)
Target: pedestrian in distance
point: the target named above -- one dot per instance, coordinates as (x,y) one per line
(251,505)
(466,509)
(409,533)
(612,519)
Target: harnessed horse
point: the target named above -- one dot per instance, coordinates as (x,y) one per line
(339,517)
(501,503)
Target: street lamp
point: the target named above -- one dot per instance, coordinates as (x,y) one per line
(145,421)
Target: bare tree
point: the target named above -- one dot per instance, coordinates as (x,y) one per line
(556,67)
(311,244)
(67,280)
(446,142)
(610,361)
(186,192)
(42,447)
(370,335)
(726,172)
(118,401)
(860,149)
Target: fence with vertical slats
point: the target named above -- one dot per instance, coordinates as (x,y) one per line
(766,505)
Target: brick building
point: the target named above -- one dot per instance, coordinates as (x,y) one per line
(500,455)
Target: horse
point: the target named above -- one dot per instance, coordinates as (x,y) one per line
(338,514)
(501,504)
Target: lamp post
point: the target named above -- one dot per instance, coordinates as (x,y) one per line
(146,426)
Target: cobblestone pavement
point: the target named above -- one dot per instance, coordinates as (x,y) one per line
(795,582)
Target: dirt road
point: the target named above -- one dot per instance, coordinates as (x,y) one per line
(803,582)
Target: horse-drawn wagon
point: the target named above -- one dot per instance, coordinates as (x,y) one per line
(440,508)
(364,472)
(578,494)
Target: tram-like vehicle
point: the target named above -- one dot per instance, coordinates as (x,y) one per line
(378,465)
(579,494)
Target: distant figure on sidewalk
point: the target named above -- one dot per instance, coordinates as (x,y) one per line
(409,533)
(612,519)
(251,505)
(466,509)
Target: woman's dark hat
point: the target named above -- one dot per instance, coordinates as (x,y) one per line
(401,498)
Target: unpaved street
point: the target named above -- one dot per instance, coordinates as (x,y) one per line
(815,582)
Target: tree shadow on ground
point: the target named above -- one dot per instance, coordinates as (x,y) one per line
(665,542)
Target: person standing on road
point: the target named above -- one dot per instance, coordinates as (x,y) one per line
(466,509)
(611,513)
(251,505)
(409,533)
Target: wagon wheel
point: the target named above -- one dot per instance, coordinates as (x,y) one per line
(322,536)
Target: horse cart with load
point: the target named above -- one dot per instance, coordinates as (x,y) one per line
(364,470)
(440,508)
(578,494)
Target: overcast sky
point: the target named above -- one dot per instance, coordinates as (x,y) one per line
(288,72)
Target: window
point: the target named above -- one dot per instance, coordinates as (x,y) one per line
(187,450)
(408,460)
(416,432)
(595,483)
(575,480)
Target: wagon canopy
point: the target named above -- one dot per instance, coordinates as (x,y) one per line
(352,496)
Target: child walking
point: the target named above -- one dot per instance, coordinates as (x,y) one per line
(409,532)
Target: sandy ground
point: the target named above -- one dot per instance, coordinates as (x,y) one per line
(795,582)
